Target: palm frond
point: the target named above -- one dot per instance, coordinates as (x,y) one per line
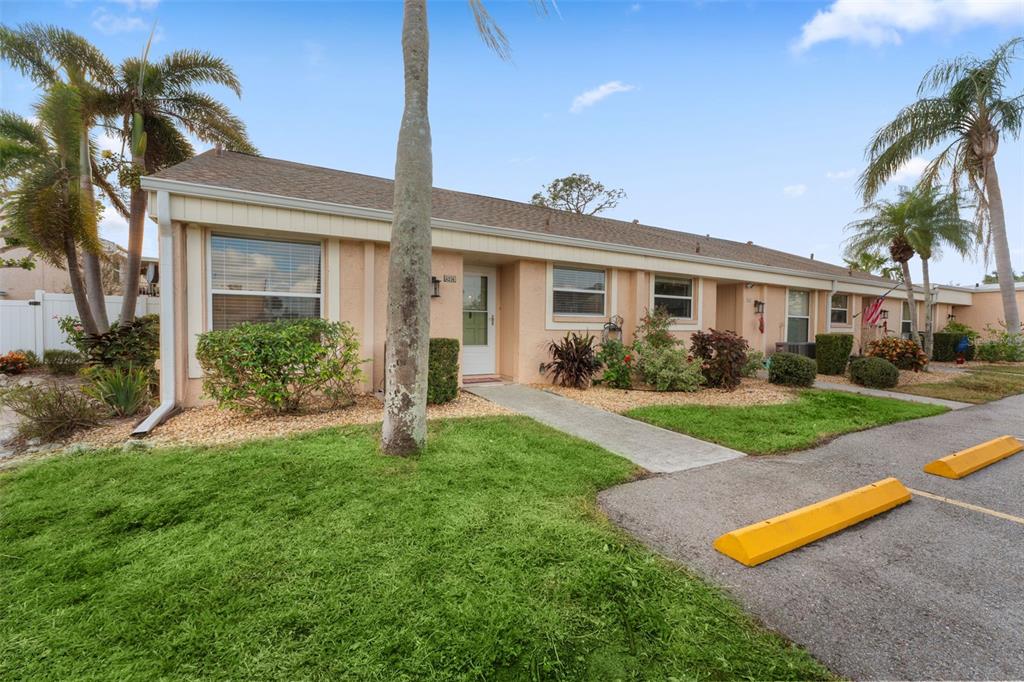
(185,69)
(76,55)
(21,51)
(490,31)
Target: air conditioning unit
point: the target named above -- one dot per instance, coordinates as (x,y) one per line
(806,349)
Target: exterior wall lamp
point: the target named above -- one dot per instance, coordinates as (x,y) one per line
(885,314)
(951,317)
(759,307)
(435,283)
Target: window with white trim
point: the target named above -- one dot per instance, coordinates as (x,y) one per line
(675,295)
(798,316)
(262,280)
(577,291)
(840,313)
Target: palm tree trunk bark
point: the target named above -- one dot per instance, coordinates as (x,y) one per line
(136,231)
(405,401)
(1004,268)
(78,285)
(911,301)
(929,308)
(90,260)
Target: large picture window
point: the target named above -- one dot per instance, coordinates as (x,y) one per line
(798,317)
(578,291)
(840,309)
(262,280)
(675,295)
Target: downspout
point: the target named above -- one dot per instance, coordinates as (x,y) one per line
(828,307)
(168,355)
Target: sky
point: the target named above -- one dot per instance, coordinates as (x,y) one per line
(743,120)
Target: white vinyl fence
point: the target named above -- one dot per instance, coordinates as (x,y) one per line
(32,325)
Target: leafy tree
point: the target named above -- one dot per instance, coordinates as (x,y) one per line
(962,106)
(578,193)
(152,107)
(888,228)
(45,210)
(936,223)
(405,366)
(58,59)
(993,278)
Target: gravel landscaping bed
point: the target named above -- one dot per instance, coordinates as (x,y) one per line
(210,425)
(750,392)
(907,377)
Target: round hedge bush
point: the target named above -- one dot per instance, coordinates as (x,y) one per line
(874,372)
(790,369)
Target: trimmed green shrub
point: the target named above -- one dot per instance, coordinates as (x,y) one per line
(62,362)
(755,363)
(280,366)
(443,371)
(13,363)
(668,369)
(833,352)
(1001,350)
(874,372)
(125,390)
(50,412)
(130,344)
(618,360)
(790,369)
(944,346)
(904,353)
(573,360)
(723,355)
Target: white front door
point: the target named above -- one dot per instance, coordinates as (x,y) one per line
(478,309)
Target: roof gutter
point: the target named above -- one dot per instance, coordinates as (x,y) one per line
(348,210)
(168,371)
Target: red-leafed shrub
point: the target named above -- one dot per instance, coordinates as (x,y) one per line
(904,353)
(723,356)
(13,363)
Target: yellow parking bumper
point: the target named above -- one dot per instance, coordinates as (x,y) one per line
(759,542)
(965,462)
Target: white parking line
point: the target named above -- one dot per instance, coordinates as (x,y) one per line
(968,505)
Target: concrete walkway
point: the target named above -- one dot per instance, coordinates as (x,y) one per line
(909,397)
(655,449)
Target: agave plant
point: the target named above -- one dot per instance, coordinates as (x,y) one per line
(573,360)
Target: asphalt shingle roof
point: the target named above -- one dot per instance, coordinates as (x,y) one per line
(285,178)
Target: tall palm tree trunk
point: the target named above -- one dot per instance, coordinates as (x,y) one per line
(997,225)
(78,285)
(408,335)
(929,308)
(911,301)
(91,260)
(136,230)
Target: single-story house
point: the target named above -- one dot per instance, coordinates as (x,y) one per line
(250,238)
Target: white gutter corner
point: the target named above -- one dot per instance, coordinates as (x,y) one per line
(168,371)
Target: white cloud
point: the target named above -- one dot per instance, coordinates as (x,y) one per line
(911,170)
(880,22)
(794,191)
(635,7)
(592,97)
(132,5)
(110,24)
(841,174)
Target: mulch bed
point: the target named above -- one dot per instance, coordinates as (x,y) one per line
(750,392)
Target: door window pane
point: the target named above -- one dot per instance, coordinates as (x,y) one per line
(798,322)
(799,303)
(796,330)
(475,315)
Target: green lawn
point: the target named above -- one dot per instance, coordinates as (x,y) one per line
(316,558)
(980,384)
(815,417)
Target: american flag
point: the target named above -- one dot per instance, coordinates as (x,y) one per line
(874,311)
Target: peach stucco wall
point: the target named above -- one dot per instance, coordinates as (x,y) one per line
(985,310)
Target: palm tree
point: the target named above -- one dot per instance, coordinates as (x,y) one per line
(45,209)
(962,105)
(936,222)
(53,57)
(405,365)
(152,107)
(888,228)
(867,261)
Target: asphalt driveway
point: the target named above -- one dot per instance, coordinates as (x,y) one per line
(930,590)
